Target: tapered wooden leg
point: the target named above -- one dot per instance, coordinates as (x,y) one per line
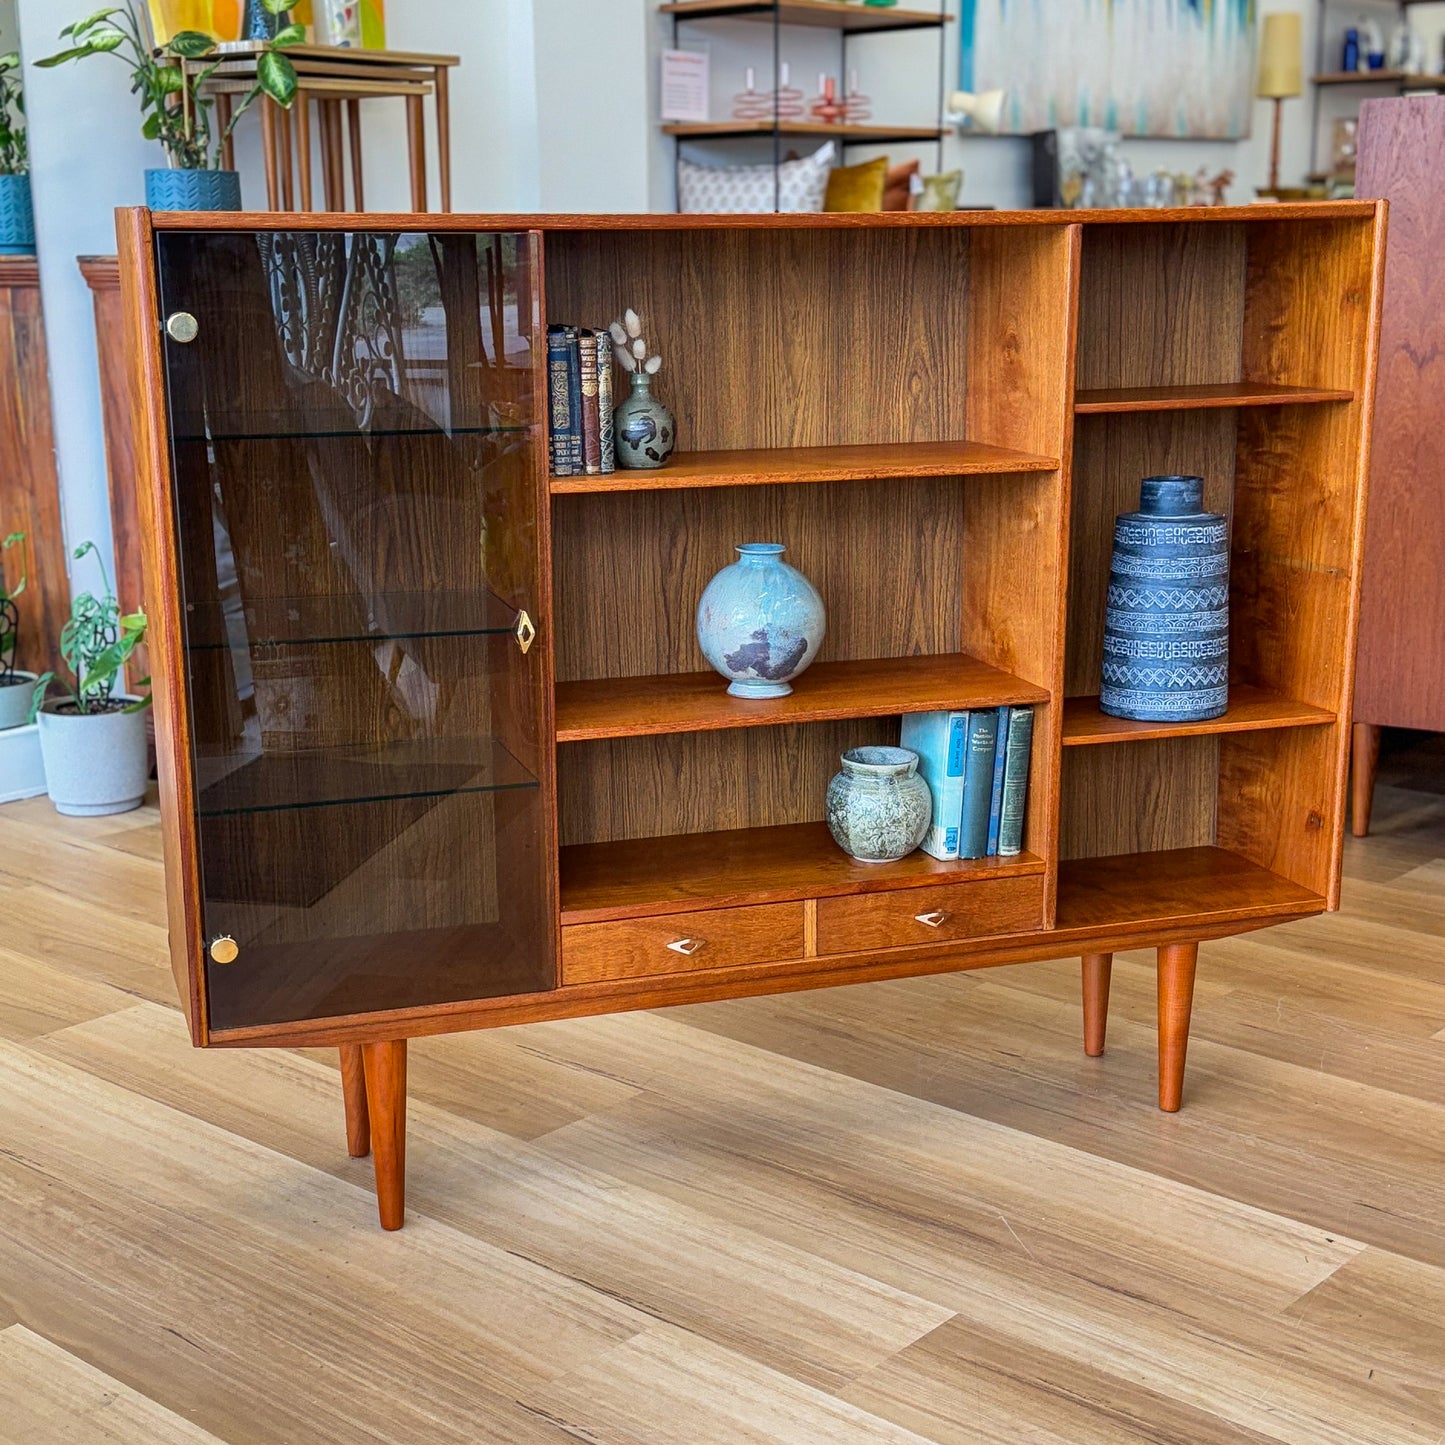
(416,150)
(223,122)
(1364,760)
(353,1091)
(353,127)
(288,175)
(1097,969)
(444,133)
(386,1102)
(1176,997)
(303,149)
(268,154)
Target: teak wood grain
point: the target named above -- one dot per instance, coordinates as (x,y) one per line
(1402,600)
(1251,709)
(767,466)
(939,913)
(1193,398)
(700,702)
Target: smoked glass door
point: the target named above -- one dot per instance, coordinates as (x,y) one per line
(355,438)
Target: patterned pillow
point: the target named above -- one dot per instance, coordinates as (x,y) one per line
(718,190)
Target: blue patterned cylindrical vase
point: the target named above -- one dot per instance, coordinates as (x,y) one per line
(1166,630)
(178,190)
(17,217)
(760,622)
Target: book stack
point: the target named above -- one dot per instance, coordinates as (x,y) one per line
(579,392)
(976,765)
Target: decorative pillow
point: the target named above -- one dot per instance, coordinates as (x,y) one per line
(939,193)
(720,190)
(897,185)
(856,188)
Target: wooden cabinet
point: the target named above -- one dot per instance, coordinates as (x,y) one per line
(1402,605)
(438,749)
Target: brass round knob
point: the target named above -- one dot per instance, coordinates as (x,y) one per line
(182,326)
(224,949)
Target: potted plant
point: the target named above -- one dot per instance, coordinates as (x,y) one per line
(92,738)
(15,687)
(177,112)
(17,219)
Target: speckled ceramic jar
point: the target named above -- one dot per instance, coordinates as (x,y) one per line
(878,807)
(1166,630)
(760,622)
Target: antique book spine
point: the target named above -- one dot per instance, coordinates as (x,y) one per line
(938,739)
(995,807)
(977,783)
(1016,781)
(591,421)
(559,402)
(574,391)
(604,402)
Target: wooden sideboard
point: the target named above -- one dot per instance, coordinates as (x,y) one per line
(29,486)
(436,750)
(1402,604)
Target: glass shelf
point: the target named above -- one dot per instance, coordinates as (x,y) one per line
(341,432)
(348,617)
(239,783)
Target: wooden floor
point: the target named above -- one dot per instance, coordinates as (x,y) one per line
(897,1212)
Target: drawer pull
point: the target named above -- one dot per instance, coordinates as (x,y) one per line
(687,946)
(936,919)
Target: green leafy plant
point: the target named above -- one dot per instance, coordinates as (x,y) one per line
(96,644)
(177,112)
(14,152)
(9,617)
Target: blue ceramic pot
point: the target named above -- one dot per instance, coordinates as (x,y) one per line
(258,23)
(1166,630)
(17,219)
(643,429)
(176,190)
(760,622)
(878,807)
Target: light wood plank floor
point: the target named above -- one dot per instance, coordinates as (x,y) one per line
(899,1212)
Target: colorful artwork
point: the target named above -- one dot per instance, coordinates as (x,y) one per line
(220,18)
(1177,68)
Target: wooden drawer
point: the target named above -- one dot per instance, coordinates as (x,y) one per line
(936,914)
(679,942)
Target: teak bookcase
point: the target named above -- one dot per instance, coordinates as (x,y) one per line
(436,749)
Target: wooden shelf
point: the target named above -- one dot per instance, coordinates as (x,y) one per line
(1191,398)
(1380,77)
(691,702)
(771,465)
(735,129)
(642,876)
(823,14)
(1251,709)
(1200,887)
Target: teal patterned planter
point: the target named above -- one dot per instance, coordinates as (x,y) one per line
(17,218)
(878,807)
(175,190)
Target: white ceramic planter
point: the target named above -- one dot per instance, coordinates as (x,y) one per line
(93,764)
(15,700)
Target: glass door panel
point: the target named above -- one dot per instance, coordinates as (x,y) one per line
(358,485)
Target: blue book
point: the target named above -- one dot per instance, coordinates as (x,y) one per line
(559,399)
(938,739)
(995,807)
(1016,781)
(977,783)
(574,388)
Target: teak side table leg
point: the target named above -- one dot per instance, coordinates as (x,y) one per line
(303,148)
(444,133)
(353,1093)
(353,126)
(1364,761)
(416,149)
(1098,967)
(268,154)
(386,1102)
(1176,997)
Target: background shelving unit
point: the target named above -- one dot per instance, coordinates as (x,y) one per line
(848,21)
(509,792)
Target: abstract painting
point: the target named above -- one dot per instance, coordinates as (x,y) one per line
(1175,68)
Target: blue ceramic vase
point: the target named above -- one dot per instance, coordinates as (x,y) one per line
(177,190)
(878,807)
(258,23)
(17,218)
(760,622)
(643,429)
(1166,630)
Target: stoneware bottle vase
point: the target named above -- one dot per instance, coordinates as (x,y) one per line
(644,430)
(878,807)
(760,622)
(95,763)
(1166,628)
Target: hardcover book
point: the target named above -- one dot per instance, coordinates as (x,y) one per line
(977,783)
(995,807)
(591,421)
(574,391)
(604,402)
(938,739)
(1015,781)
(559,402)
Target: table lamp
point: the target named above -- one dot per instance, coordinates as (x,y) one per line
(1281,73)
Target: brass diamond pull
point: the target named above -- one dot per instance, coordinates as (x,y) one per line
(525,633)
(687,946)
(932,920)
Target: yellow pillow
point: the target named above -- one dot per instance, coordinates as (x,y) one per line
(857,188)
